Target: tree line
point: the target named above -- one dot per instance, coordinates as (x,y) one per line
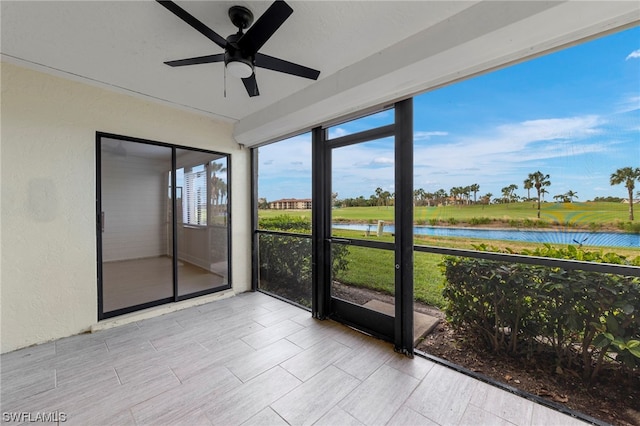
(537,182)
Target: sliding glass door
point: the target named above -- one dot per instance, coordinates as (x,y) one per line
(163,228)
(201,221)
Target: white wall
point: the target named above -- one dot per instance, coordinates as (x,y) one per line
(134,202)
(48,172)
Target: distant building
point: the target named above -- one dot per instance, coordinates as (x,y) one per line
(290,204)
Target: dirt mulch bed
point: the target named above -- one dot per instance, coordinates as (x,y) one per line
(612,399)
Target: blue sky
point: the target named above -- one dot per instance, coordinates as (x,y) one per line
(573,114)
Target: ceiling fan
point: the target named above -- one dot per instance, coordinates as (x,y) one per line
(241,54)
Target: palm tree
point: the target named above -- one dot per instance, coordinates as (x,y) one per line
(452,195)
(542,192)
(385,196)
(474,188)
(466,191)
(379,195)
(539,182)
(508,192)
(528,184)
(512,190)
(628,175)
(486,199)
(428,198)
(571,195)
(215,167)
(418,196)
(222,189)
(505,194)
(455,191)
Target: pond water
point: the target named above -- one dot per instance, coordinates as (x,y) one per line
(600,239)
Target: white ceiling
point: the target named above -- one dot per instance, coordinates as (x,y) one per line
(368,52)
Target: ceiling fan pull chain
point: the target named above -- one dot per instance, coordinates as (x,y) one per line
(225,82)
(255,86)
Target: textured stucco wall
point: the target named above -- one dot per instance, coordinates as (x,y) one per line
(48,175)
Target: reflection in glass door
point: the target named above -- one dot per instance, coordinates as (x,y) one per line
(201,221)
(136,267)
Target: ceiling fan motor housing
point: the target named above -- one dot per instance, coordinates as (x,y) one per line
(233,53)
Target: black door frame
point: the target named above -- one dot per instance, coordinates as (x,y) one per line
(398,329)
(99,223)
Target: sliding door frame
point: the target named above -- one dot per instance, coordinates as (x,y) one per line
(100,223)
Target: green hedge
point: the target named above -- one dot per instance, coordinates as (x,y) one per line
(583,318)
(285,261)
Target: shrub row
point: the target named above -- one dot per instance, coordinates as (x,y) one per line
(584,319)
(285,261)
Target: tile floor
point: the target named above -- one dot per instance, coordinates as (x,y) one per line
(248,360)
(133,282)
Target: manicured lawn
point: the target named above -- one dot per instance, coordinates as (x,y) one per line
(374,268)
(572,213)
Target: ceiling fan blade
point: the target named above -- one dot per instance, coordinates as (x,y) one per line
(251,85)
(189,19)
(275,64)
(258,34)
(219,57)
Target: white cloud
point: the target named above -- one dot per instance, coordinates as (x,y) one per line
(381,162)
(504,148)
(495,153)
(634,54)
(423,136)
(631,103)
(337,132)
(290,158)
(550,129)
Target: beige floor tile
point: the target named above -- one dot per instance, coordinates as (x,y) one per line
(173,370)
(311,400)
(416,366)
(503,404)
(543,416)
(380,396)
(245,401)
(474,416)
(407,417)
(272,334)
(337,416)
(266,417)
(185,403)
(443,395)
(313,360)
(361,363)
(254,363)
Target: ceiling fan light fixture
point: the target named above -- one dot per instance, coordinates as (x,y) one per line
(240,68)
